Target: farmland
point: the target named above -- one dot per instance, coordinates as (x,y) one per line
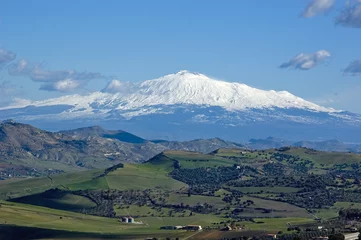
(262,191)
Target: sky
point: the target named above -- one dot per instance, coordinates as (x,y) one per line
(309,48)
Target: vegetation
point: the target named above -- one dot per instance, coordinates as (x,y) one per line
(269,191)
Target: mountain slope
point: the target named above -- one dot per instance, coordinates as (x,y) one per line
(97,131)
(29,151)
(189,105)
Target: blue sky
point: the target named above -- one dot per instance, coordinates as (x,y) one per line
(238,41)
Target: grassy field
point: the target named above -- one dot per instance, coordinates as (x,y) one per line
(327,158)
(197,160)
(281,209)
(34,216)
(267,189)
(62,201)
(139,177)
(15,214)
(332,212)
(192,200)
(22,187)
(196,219)
(318,157)
(280,224)
(269,215)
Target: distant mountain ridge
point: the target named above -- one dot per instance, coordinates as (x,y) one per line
(188,105)
(97,131)
(29,151)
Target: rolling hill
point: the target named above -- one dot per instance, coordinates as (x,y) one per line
(262,191)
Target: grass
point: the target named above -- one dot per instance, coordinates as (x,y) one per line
(196,219)
(326,213)
(332,212)
(18,188)
(34,216)
(281,209)
(267,189)
(340,205)
(327,158)
(93,184)
(146,211)
(155,174)
(75,224)
(62,201)
(141,177)
(176,198)
(275,224)
(197,160)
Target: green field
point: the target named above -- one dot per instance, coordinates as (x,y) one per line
(22,187)
(64,201)
(169,201)
(196,199)
(34,216)
(281,224)
(267,189)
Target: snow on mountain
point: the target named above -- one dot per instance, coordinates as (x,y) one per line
(189,105)
(174,89)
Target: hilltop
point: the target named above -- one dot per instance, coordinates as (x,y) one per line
(26,150)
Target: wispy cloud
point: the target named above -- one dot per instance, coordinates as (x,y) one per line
(354,68)
(306,61)
(65,85)
(6,57)
(116,86)
(60,80)
(7,92)
(350,16)
(316,7)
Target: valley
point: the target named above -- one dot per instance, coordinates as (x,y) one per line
(281,191)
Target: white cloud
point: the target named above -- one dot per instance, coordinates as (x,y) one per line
(350,16)
(354,68)
(61,80)
(6,57)
(65,85)
(306,61)
(316,7)
(116,86)
(19,68)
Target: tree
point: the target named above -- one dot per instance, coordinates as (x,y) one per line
(337,236)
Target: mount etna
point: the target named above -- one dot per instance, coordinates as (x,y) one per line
(188,105)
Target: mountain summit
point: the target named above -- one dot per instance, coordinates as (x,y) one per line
(175,105)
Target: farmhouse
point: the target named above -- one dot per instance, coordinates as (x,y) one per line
(171,227)
(193,228)
(128,220)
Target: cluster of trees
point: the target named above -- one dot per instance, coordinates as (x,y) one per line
(111,169)
(276,169)
(107,199)
(308,181)
(312,234)
(204,175)
(354,166)
(350,214)
(320,198)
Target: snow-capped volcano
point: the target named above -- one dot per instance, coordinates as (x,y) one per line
(193,88)
(183,88)
(181,99)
